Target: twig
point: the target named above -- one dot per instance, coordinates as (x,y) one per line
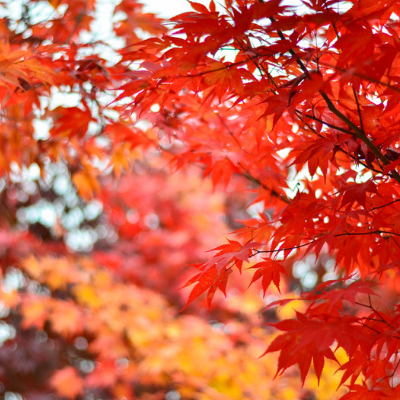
(358,109)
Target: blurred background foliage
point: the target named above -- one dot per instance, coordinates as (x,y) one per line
(97,236)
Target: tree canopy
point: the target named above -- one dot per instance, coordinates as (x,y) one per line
(264,132)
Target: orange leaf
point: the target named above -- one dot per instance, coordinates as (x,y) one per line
(67,383)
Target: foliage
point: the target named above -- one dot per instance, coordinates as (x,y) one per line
(290,111)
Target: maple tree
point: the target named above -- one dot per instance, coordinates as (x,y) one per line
(290,112)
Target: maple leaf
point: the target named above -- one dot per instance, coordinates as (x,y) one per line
(310,152)
(358,193)
(120,160)
(70,121)
(67,383)
(86,182)
(215,272)
(34,313)
(360,392)
(354,367)
(334,296)
(311,339)
(221,171)
(269,270)
(65,317)
(205,281)
(209,280)
(104,375)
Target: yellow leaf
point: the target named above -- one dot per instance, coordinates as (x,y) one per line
(9,298)
(86,183)
(120,160)
(86,295)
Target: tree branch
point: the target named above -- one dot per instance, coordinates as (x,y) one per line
(255,180)
(356,130)
(299,115)
(339,234)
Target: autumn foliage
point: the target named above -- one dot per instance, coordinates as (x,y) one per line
(248,149)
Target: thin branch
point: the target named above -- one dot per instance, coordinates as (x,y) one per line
(359,134)
(325,123)
(385,205)
(370,327)
(377,232)
(253,59)
(255,180)
(284,249)
(337,235)
(214,70)
(247,173)
(292,52)
(362,76)
(300,115)
(358,109)
(333,23)
(229,131)
(375,311)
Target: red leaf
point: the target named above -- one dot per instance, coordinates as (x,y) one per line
(269,270)
(205,281)
(358,193)
(199,7)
